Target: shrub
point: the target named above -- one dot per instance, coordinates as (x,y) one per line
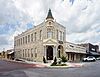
(44,60)
(61,65)
(55,62)
(64,59)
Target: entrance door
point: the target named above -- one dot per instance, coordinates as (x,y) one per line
(49,53)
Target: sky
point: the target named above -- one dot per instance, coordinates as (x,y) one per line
(80,17)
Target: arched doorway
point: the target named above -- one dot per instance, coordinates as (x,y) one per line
(49,53)
(60,51)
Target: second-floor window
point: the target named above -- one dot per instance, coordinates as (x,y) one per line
(49,34)
(31,37)
(35,36)
(23,40)
(28,38)
(40,34)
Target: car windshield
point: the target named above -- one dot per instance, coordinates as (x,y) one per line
(90,56)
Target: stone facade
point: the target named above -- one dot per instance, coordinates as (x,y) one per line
(42,40)
(47,39)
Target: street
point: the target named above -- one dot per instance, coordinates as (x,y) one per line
(10,69)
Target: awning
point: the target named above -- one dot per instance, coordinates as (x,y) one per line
(94,53)
(73,51)
(11,52)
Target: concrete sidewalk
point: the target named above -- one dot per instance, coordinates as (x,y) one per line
(69,64)
(39,64)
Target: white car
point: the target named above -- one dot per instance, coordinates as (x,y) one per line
(98,58)
(89,58)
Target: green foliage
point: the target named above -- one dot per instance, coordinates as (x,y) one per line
(64,59)
(55,62)
(44,60)
(61,65)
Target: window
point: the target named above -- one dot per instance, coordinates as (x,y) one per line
(57,34)
(32,52)
(28,52)
(28,38)
(49,34)
(18,42)
(35,36)
(60,35)
(63,36)
(14,43)
(35,52)
(23,53)
(23,40)
(31,37)
(49,23)
(40,34)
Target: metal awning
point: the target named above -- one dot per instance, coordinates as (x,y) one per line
(73,51)
(94,53)
(11,52)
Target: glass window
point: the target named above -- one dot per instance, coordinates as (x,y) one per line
(18,41)
(60,35)
(35,36)
(57,34)
(28,52)
(23,53)
(35,52)
(28,38)
(40,34)
(49,34)
(32,52)
(23,40)
(63,36)
(49,23)
(31,37)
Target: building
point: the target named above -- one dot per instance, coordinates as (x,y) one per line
(75,52)
(10,54)
(47,39)
(91,50)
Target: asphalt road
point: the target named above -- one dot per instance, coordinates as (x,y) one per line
(89,70)
(6,66)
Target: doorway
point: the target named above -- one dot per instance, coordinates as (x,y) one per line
(49,53)
(60,51)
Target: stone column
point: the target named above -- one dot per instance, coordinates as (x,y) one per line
(53,51)
(45,51)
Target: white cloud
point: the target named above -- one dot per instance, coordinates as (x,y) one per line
(81,18)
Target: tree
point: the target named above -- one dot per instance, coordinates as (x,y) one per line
(64,59)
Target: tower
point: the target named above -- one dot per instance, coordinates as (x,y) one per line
(49,16)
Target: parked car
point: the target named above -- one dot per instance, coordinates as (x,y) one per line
(98,58)
(89,58)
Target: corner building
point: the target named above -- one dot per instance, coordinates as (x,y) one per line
(47,39)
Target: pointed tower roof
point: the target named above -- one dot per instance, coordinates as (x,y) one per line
(49,14)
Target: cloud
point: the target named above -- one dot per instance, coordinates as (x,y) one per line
(80,17)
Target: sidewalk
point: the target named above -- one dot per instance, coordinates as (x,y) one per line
(69,65)
(39,64)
